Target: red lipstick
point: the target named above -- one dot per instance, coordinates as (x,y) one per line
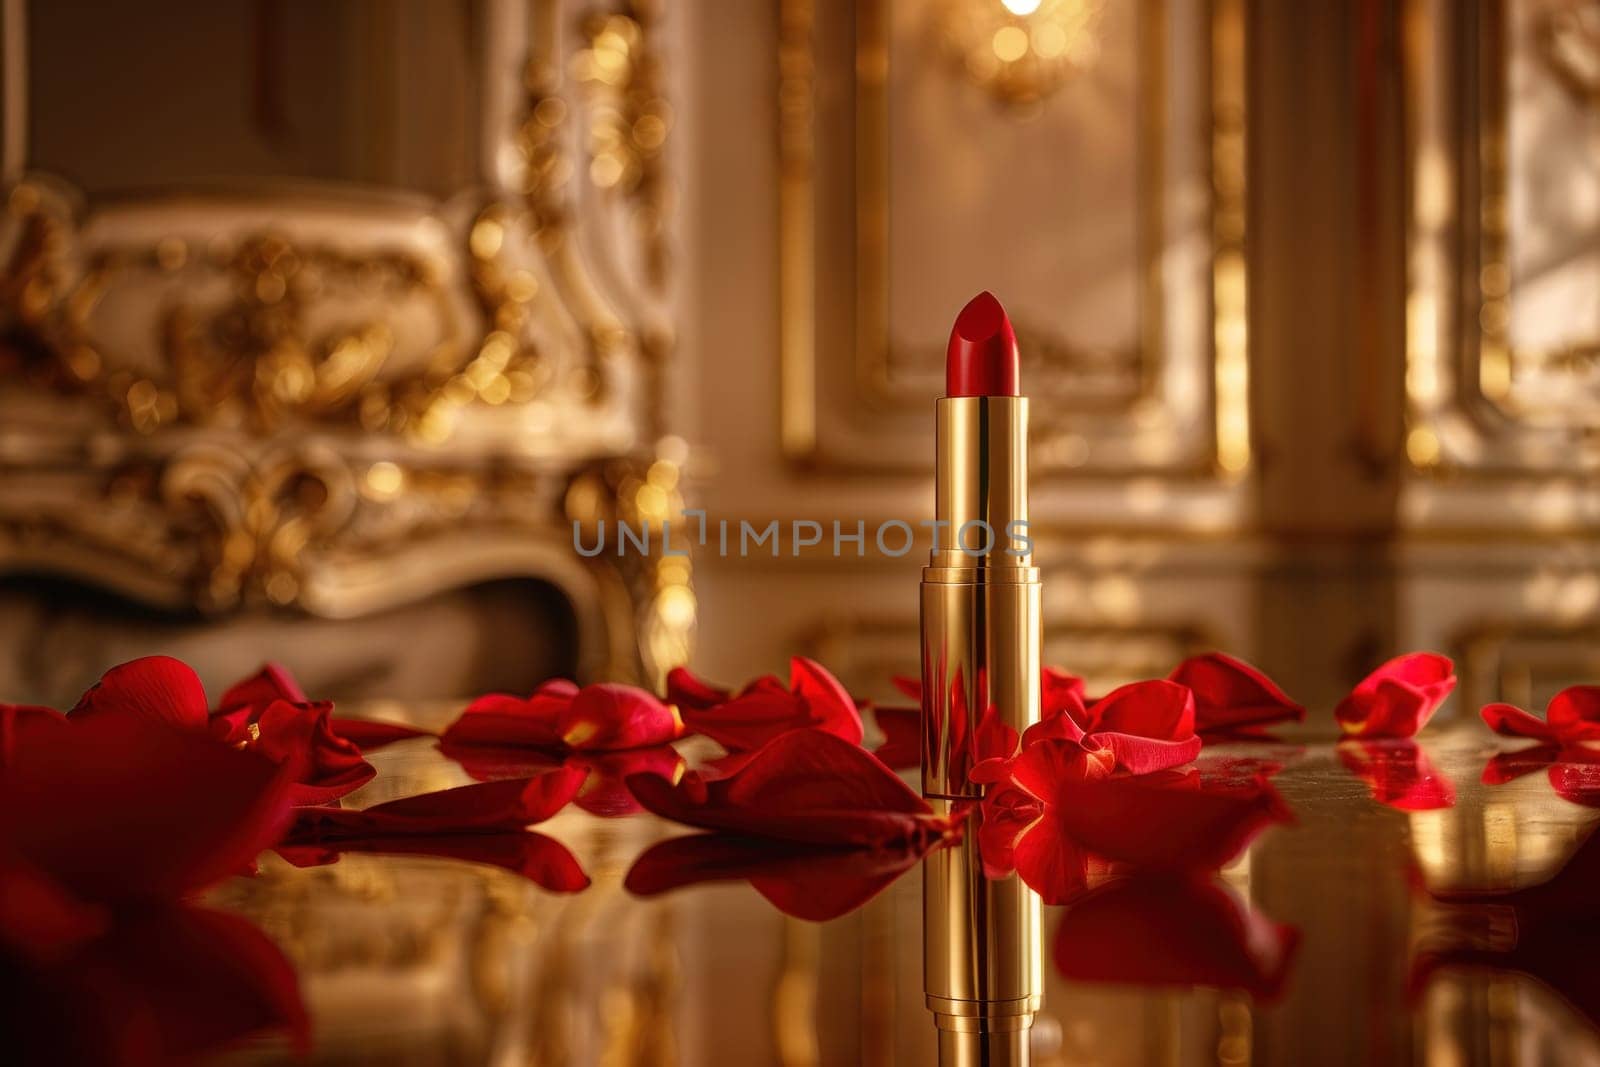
(981,612)
(981,359)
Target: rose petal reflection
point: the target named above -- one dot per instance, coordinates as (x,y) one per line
(1399,774)
(808,882)
(542,860)
(1573,770)
(168,983)
(486,807)
(1153,930)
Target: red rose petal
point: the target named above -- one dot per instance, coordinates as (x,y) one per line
(609,716)
(1043,769)
(1060,690)
(155,688)
(1572,717)
(1231,696)
(1155,709)
(298,735)
(370,734)
(765,709)
(604,791)
(832,707)
(113,809)
(272,682)
(1141,728)
(689,691)
(1511,721)
(1574,714)
(804,785)
(749,721)
(1398,698)
(1144,755)
(1058,721)
(24,724)
(502,719)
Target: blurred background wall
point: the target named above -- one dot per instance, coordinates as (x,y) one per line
(323,322)
(1285,276)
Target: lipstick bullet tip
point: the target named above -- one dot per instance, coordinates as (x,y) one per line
(982,358)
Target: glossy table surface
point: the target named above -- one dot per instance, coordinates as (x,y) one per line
(1350,915)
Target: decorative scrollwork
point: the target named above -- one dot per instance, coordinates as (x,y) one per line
(622,70)
(255,335)
(645,497)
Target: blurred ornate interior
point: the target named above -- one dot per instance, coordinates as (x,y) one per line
(322,323)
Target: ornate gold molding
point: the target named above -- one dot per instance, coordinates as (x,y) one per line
(254,349)
(624,75)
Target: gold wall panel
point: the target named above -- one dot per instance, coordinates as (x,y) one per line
(1129,292)
(1503,327)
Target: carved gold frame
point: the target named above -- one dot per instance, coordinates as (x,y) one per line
(1464,417)
(254,444)
(1221,448)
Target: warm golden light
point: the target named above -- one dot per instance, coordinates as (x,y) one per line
(1021,50)
(1010,44)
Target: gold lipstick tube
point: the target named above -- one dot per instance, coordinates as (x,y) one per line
(981,621)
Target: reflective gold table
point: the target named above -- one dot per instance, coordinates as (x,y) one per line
(1333,940)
